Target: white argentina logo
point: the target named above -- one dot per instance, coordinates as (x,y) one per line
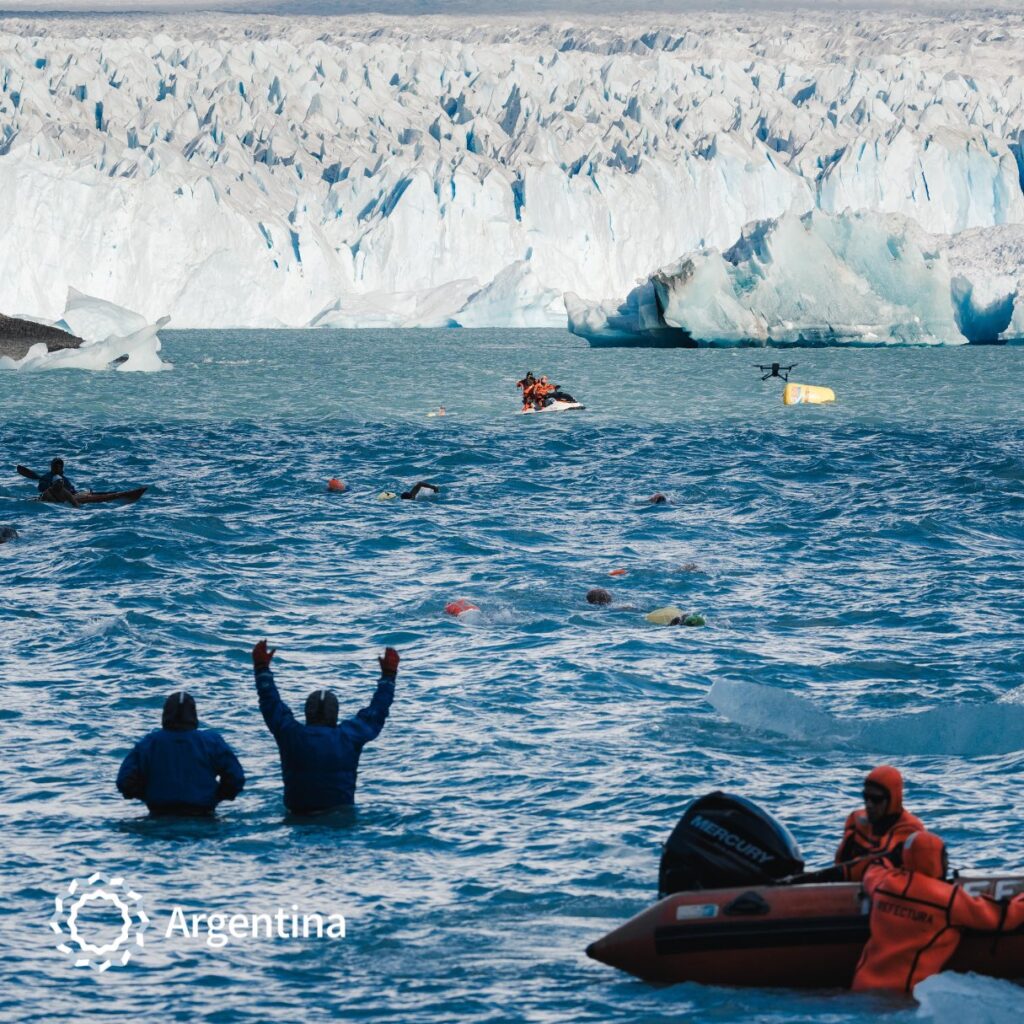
(74,921)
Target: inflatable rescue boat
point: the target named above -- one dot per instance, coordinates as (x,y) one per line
(722,921)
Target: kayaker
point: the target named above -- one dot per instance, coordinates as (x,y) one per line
(411,494)
(55,486)
(319,760)
(179,768)
(917,917)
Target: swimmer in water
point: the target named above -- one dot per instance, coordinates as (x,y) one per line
(657,499)
(410,495)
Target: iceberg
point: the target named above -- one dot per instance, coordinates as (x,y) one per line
(96,319)
(112,336)
(134,352)
(811,279)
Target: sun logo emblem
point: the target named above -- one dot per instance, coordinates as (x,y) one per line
(107,911)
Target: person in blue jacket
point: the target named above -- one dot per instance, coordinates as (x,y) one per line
(319,760)
(180,768)
(55,486)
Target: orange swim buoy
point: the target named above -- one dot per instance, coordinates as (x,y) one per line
(617,572)
(334,484)
(460,607)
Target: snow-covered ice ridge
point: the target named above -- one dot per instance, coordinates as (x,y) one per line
(239,171)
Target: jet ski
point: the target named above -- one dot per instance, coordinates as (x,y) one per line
(557,401)
(724,920)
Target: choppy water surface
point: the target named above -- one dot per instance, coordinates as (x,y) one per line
(866,556)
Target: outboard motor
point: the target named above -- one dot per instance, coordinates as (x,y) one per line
(723,841)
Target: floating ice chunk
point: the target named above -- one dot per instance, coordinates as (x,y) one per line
(138,351)
(514,298)
(959,730)
(96,319)
(950,998)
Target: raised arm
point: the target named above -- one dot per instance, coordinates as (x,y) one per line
(367,723)
(276,713)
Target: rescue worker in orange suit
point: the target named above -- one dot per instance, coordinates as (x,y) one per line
(541,390)
(917,917)
(527,385)
(880,829)
(875,833)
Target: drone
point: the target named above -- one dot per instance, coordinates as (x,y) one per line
(776,370)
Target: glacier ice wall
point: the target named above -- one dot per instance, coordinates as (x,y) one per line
(269,171)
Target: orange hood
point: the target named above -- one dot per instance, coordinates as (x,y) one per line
(891,781)
(922,852)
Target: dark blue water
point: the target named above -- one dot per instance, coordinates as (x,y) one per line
(865,556)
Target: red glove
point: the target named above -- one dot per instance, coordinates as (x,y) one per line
(389,663)
(261,656)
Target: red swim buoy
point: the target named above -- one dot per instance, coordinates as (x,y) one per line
(460,607)
(617,572)
(334,484)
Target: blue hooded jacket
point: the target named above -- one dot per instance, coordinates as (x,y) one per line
(49,478)
(319,762)
(179,771)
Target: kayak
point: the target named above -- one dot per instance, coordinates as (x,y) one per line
(98,497)
(804,936)
(556,407)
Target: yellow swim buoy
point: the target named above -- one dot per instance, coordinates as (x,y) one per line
(806,394)
(665,616)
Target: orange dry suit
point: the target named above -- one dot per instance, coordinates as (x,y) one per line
(541,390)
(916,918)
(528,383)
(864,844)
